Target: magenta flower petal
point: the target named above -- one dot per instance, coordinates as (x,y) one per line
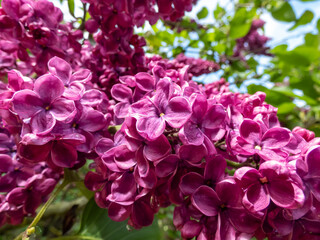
(191,134)
(256,198)
(124,188)
(250,131)
(74,91)
(191,229)
(276,138)
(48,87)
(63,109)
(121,93)
(26,103)
(145,81)
(118,212)
(154,150)
(215,116)
(151,127)
(60,68)
(92,121)
(178,112)
(64,155)
(42,123)
(82,75)
(206,200)
(167,166)
(190,182)
(142,214)
(281,193)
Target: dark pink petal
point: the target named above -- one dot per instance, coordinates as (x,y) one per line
(206,200)
(192,154)
(191,229)
(48,87)
(124,188)
(45,187)
(148,181)
(151,127)
(190,182)
(26,103)
(121,93)
(243,221)
(199,108)
(177,112)
(229,192)
(272,154)
(157,148)
(18,82)
(42,123)
(6,163)
(142,163)
(282,193)
(313,162)
(121,109)
(94,181)
(104,145)
(250,131)
(32,202)
(34,153)
(276,138)
(92,121)
(215,169)
(163,93)
(60,68)
(277,221)
(118,212)
(167,166)
(144,108)
(256,198)
(191,134)
(82,75)
(63,109)
(214,117)
(142,214)
(145,81)
(17,196)
(74,91)
(247,176)
(63,154)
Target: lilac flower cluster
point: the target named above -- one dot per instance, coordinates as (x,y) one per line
(196,67)
(31,33)
(60,116)
(222,158)
(118,51)
(23,186)
(253,42)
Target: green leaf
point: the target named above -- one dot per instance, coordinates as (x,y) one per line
(203,13)
(71,7)
(240,24)
(318,25)
(95,224)
(219,12)
(284,12)
(306,18)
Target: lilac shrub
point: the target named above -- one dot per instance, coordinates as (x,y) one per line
(221,158)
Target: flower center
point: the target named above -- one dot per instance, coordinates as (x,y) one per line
(263,180)
(47,108)
(257,147)
(161,114)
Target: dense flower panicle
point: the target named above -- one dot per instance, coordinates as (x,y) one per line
(185,161)
(221,157)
